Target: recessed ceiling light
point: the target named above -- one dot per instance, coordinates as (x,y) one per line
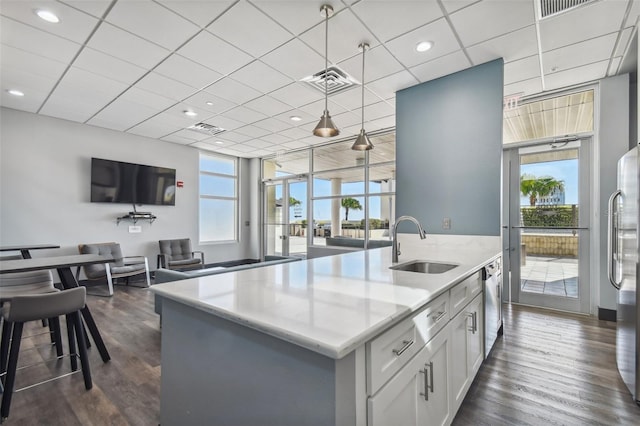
(15,92)
(220,142)
(47,16)
(209,103)
(189,113)
(295,118)
(423,46)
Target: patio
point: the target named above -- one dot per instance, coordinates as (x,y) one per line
(556,276)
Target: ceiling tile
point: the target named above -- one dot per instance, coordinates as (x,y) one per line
(155,127)
(317,108)
(596,18)
(200,12)
(19,60)
(185,70)
(122,114)
(297,94)
(27,84)
(261,77)
(275,138)
(164,86)
(439,32)
(523,69)
(245,115)
(576,75)
(100,63)
(613,67)
(233,91)
(388,86)
(623,44)
(511,47)
(295,59)
(148,99)
(126,46)
(453,5)
(268,105)
(209,102)
(440,67)
(347,119)
(190,135)
(383,122)
(586,52)
(252,131)
(272,125)
(497,18)
(179,138)
(207,146)
(94,8)
(525,87)
(224,122)
(346,32)
(389,19)
(212,52)
(378,63)
(352,99)
(295,16)
(74,25)
(238,27)
(295,133)
(82,91)
(150,21)
(233,137)
(305,117)
(259,144)
(38,42)
(294,145)
(379,110)
(632,18)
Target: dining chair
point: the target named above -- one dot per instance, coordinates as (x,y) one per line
(21,309)
(121,267)
(177,254)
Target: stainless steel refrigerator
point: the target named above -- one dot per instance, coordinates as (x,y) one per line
(623,268)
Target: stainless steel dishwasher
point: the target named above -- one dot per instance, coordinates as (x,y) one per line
(492,277)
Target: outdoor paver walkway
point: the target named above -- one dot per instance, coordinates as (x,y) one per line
(550,275)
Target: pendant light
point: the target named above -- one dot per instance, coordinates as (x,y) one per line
(362,143)
(325,127)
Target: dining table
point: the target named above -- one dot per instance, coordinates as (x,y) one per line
(63,265)
(24,248)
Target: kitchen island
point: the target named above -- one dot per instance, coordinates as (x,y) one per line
(317,342)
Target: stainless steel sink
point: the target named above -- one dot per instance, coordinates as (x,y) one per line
(424,267)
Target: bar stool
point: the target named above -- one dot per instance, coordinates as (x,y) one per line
(21,309)
(25,283)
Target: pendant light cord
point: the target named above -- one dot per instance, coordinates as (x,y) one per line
(326,57)
(364,47)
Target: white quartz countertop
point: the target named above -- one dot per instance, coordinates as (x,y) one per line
(332,305)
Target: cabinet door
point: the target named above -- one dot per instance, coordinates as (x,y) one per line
(419,393)
(467,339)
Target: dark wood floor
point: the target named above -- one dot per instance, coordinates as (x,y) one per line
(549,369)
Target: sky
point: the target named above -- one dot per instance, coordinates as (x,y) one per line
(564,170)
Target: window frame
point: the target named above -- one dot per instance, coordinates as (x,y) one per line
(236,199)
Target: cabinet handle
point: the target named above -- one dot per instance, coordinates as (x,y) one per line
(439,316)
(406,343)
(475,322)
(470,315)
(428,380)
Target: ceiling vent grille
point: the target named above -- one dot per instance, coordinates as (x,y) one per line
(337,80)
(553,7)
(207,129)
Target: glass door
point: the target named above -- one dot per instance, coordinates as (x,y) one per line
(548,225)
(286,217)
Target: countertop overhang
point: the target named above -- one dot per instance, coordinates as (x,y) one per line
(331,305)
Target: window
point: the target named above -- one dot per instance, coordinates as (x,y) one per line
(218,198)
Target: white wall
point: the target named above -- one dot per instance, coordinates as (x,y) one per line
(45,180)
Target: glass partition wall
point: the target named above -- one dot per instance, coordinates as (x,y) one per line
(329,196)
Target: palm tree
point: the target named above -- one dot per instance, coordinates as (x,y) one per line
(294,202)
(350,203)
(535,187)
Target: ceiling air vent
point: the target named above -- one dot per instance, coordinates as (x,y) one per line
(207,129)
(553,7)
(337,80)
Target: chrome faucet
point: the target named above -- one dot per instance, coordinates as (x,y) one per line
(395,246)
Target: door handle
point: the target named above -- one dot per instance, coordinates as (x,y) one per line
(612,241)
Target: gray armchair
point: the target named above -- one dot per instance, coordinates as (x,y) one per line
(177,254)
(121,266)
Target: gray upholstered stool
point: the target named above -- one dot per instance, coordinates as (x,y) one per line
(21,309)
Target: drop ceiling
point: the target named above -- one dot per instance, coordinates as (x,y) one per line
(136,66)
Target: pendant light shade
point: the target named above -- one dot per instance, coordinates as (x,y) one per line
(325,127)
(362,142)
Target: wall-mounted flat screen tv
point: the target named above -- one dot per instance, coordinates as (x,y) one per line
(129,183)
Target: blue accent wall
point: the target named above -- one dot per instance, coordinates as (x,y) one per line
(449,151)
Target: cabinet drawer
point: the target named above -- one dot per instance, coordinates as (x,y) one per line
(387,353)
(464,292)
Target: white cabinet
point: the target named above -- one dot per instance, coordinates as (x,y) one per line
(467,339)
(419,394)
